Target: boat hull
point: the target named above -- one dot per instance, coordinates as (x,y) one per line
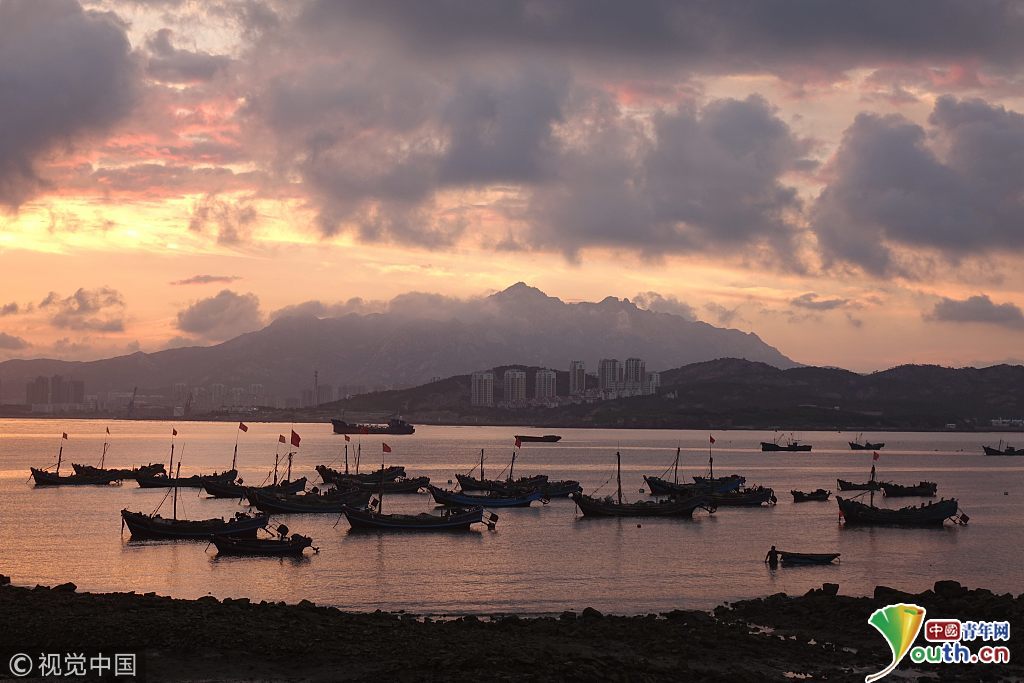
(196,481)
(806,559)
(657,486)
(393,427)
(931,514)
(307,503)
(866,446)
(148,526)
(330,476)
(769,447)
(468,483)
(1009,450)
(805,497)
(363,519)
(747,498)
(547,438)
(456,499)
(44,478)
(844,485)
(922,490)
(230,545)
(222,489)
(150,470)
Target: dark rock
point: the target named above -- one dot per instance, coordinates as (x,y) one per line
(66,587)
(830,588)
(4,580)
(567,615)
(949,589)
(591,613)
(306,604)
(207,600)
(887,594)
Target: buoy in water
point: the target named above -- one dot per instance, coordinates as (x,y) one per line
(637,526)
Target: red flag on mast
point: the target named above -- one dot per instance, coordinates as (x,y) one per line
(387,448)
(174,432)
(63,435)
(243,426)
(348,438)
(712,438)
(295,439)
(108,430)
(519,442)
(875,456)
(281,439)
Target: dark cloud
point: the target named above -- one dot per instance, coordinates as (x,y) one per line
(223,316)
(723,314)
(98,310)
(64,73)
(11,343)
(321,309)
(231,220)
(889,187)
(978,309)
(659,303)
(11,308)
(206,279)
(748,35)
(171,64)
(812,301)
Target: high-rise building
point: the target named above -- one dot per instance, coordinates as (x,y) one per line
(634,372)
(481,389)
(37,391)
(515,386)
(577,378)
(544,384)
(608,374)
(652,382)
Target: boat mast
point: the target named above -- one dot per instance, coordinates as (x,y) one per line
(380,501)
(346,460)
(290,454)
(512,467)
(60,453)
(675,467)
(176,477)
(277,459)
(873,480)
(234,456)
(481,464)
(170,463)
(106,445)
(618,473)
(359,455)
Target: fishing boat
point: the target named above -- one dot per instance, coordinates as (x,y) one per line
(196,481)
(331,476)
(469,483)
(615,507)
(927,514)
(802,559)
(154,526)
(844,485)
(150,470)
(547,438)
(1002,449)
(817,494)
(371,516)
(924,489)
(44,478)
(790,446)
(659,486)
(396,426)
(493,499)
(221,489)
(866,445)
(563,488)
(449,519)
(312,502)
(749,497)
(278,545)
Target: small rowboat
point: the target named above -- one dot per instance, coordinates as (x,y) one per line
(520,499)
(817,494)
(802,559)
(290,545)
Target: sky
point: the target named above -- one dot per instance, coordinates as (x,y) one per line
(844,179)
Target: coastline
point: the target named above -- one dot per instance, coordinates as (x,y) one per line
(818,636)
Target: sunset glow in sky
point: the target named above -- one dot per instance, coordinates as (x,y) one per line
(845,179)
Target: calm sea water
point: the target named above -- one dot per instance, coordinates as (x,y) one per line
(539,560)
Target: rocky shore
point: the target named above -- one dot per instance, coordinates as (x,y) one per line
(817,636)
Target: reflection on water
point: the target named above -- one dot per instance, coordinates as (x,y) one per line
(539,559)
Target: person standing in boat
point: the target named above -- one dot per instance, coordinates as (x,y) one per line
(772,558)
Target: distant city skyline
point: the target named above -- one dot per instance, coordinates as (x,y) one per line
(832,176)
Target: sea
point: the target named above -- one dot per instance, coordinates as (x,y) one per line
(538,560)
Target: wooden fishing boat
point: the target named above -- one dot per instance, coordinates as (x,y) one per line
(563,488)
(844,485)
(547,438)
(792,446)
(469,483)
(155,526)
(802,559)
(749,497)
(866,445)
(227,489)
(44,478)
(817,494)
(924,489)
(450,519)
(616,507)
(280,544)
(331,476)
(492,499)
(1002,449)
(721,484)
(330,502)
(659,486)
(927,514)
(150,470)
(196,481)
